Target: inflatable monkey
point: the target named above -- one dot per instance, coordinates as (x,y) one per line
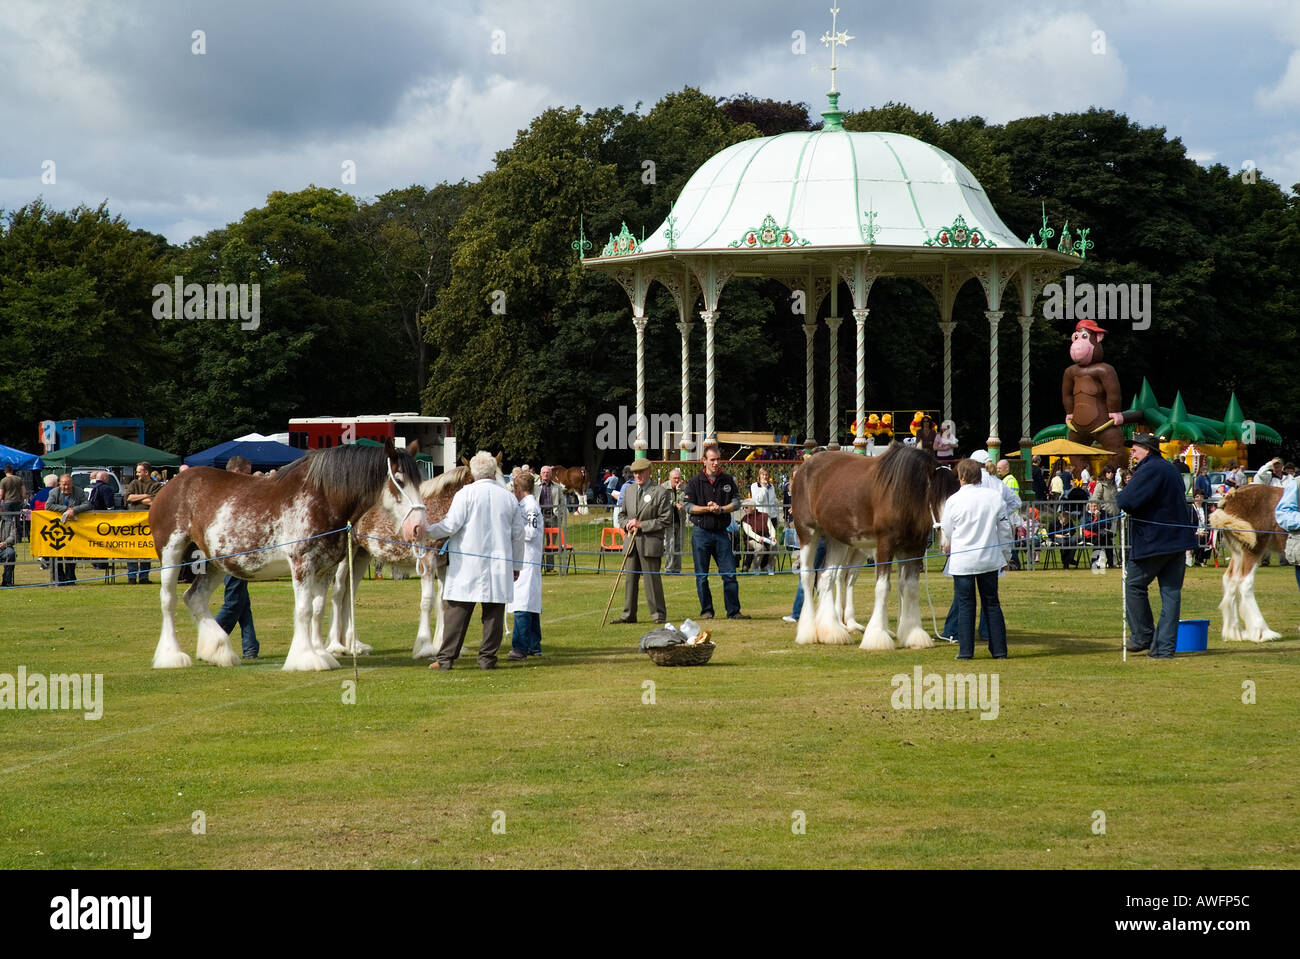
(1091,397)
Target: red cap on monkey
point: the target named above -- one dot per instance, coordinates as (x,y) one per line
(1088,325)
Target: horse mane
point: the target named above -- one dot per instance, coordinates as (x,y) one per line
(349,477)
(456,477)
(902,468)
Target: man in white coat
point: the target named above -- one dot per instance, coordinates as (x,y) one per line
(485,541)
(526,606)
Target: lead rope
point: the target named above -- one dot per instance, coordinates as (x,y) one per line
(925,566)
(352,609)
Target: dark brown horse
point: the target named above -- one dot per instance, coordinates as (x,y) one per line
(377,535)
(1242,513)
(256,528)
(888,504)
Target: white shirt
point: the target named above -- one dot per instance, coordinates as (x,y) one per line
(764,498)
(528,587)
(485,543)
(973,523)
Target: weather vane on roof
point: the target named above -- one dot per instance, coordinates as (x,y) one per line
(835,39)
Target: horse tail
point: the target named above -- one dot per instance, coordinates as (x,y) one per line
(1237,530)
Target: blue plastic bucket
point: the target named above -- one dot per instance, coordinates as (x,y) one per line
(1193,636)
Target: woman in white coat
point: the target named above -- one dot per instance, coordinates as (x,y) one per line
(526,606)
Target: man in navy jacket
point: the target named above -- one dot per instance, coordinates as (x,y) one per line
(1157,505)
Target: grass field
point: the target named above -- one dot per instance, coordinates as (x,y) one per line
(574,769)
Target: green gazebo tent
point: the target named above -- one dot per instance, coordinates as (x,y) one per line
(109,451)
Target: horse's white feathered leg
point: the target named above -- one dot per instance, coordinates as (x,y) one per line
(430,594)
(339,610)
(876,635)
(350,634)
(1256,629)
(305,652)
(1228,605)
(910,632)
(829,615)
(343,625)
(214,642)
(806,633)
(855,561)
(168,654)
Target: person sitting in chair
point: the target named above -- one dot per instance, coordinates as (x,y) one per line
(1064,534)
(1099,534)
(760,542)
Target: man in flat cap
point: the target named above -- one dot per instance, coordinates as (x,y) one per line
(1156,504)
(647,513)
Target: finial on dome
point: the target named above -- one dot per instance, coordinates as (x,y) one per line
(835,38)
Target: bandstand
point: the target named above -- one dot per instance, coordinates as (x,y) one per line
(811,209)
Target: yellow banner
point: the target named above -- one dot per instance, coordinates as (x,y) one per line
(117,535)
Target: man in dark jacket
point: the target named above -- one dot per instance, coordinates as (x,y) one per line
(1157,504)
(101,493)
(711,497)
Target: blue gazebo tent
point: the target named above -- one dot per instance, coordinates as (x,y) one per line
(18,459)
(263,455)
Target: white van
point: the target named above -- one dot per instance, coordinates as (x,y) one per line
(81,480)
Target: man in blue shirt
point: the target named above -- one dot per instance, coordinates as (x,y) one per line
(1161,535)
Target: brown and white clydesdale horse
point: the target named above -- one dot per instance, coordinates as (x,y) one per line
(257,528)
(574,478)
(376,535)
(1240,520)
(888,504)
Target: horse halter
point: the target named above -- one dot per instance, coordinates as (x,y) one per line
(411,507)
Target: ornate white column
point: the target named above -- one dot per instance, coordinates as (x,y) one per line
(832,426)
(810,414)
(994,443)
(709,317)
(946,327)
(860,438)
(640,445)
(1026,321)
(685,329)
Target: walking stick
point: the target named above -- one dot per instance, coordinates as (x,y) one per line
(626,553)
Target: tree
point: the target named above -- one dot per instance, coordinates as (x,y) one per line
(408,235)
(76,333)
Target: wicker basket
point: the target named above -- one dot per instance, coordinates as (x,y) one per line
(682,655)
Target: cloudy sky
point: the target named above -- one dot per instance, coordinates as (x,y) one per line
(110,100)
